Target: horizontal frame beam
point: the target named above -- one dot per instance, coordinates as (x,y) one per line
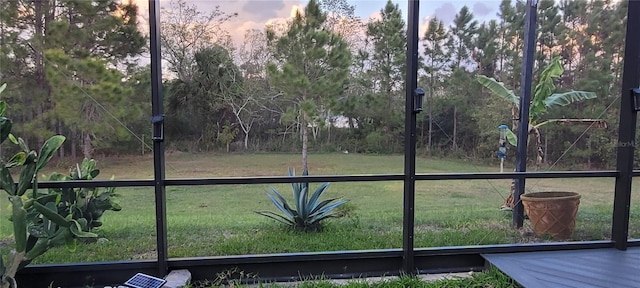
(292,266)
(316,179)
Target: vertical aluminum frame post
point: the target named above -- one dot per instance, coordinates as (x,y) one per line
(626,129)
(525,98)
(158,136)
(408,261)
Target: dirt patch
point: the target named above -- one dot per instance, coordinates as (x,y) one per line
(6,242)
(428,228)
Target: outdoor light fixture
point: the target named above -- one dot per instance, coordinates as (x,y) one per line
(418,99)
(635,93)
(158,128)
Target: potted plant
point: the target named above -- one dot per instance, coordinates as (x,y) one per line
(552,213)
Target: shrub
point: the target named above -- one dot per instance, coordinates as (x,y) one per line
(84,203)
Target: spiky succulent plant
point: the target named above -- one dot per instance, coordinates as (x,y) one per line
(307,213)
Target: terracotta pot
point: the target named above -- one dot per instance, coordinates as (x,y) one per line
(552,213)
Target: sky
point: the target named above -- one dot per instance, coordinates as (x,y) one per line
(254,14)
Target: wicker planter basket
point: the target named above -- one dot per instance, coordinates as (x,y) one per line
(552,213)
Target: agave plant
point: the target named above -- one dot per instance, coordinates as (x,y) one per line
(307,212)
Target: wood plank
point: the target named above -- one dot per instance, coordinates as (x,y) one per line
(597,268)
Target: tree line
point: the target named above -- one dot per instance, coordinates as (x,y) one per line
(326,80)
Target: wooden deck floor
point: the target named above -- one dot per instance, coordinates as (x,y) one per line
(575,268)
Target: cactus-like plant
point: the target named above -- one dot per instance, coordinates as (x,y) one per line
(307,212)
(84,203)
(37,226)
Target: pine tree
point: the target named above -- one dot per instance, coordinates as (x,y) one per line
(311,69)
(485,52)
(388,62)
(87,95)
(511,42)
(460,45)
(550,25)
(435,66)
(104,32)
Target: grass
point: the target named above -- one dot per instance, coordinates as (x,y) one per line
(220,220)
(492,278)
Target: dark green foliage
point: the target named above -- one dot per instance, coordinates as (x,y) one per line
(195,109)
(84,204)
(355,72)
(306,213)
(37,226)
(90,39)
(311,69)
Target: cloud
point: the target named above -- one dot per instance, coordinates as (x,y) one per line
(424,25)
(446,12)
(481,9)
(263,10)
(256,19)
(251,14)
(375,16)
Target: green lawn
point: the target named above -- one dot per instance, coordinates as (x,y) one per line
(220,220)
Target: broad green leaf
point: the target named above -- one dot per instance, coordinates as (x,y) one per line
(498,89)
(5,125)
(13,139)
(115,206)
(44,199)
(2,269)
(511,138)
(69,241)
(23,145)
(6,181)
(544,89)
(38,231)
(51,213)
(41,246)
(17,160)
(26,177)
(55,176)
(94,173)
(76,229)
(48,149)
(2,87)
(3,108)
(19,219)
(566,98)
